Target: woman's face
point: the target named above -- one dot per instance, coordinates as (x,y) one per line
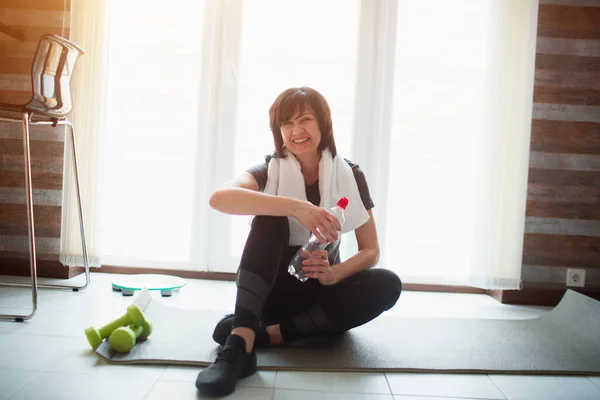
(301,133)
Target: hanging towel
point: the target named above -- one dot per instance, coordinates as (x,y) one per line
(336,180)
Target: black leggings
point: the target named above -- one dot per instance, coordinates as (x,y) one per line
(267,293)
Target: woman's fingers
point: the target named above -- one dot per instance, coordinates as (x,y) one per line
(334,221)
(322,254)
(325,231)
(317,264)
(333,232)
(315,270)
(317,267)
(320,221)
(320,272)
(327,227)
(317,257)
(317,232)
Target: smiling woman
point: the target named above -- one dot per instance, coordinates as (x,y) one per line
(296,118)
(301,135)
(337,295)
(301,132)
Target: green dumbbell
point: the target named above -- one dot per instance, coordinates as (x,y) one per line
(133,316)
(123,339)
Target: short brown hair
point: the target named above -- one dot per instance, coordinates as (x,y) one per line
(297,99)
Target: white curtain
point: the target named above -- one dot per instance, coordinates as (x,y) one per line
(88,27)
(504,148)
(454,164)
(159,132)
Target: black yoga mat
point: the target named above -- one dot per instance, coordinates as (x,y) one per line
(564,341)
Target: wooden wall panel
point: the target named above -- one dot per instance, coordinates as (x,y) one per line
(31,19)
(572,22)
(563,206)
(14,220)
(561,250)
(555,95)
(566,137)
(554,209)
(557,62)
(56,5)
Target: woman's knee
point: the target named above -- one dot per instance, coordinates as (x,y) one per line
(389,284)
(270,222)
(265,243)
(266,227)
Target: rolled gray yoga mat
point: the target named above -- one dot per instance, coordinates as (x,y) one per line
(565,341)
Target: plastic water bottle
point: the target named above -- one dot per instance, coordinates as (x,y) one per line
(313,243)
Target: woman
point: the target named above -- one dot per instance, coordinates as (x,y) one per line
(285,195)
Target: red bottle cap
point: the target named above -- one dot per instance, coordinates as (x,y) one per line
(342,203)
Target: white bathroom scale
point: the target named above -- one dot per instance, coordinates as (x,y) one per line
(128,284)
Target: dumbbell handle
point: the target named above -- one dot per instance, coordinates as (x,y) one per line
(136,329)
(107,329)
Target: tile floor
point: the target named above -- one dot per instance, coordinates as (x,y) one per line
(48,357)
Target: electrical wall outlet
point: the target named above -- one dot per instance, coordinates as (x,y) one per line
(575,277)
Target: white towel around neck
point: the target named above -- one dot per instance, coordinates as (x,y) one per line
(336,180)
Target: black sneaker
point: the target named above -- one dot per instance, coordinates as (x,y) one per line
(223,330)
(232,363)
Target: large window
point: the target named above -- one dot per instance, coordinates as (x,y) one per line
(408,82)
(149,144)
(438,101)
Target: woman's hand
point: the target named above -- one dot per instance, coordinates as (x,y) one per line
(319,221)
(317,267)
